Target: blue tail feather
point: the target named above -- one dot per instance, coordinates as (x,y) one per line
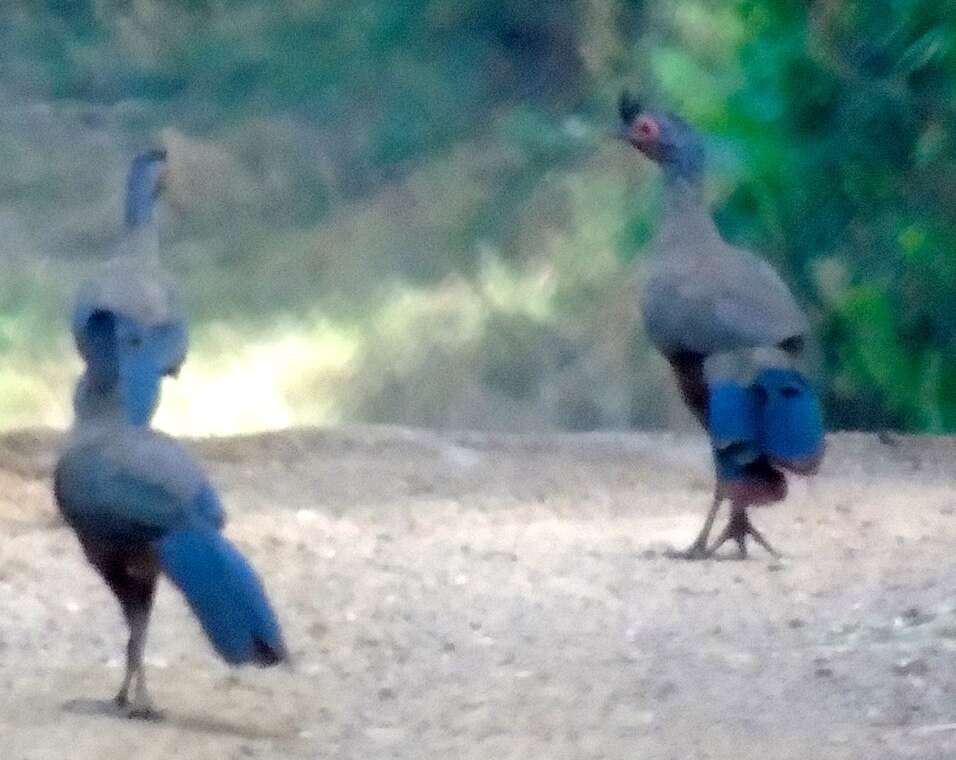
(225,594)
(791,421)
(733,420)
(732,414)
(777,417)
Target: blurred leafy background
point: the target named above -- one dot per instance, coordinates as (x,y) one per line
(410,212)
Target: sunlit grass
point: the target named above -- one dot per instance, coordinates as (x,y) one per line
(301,370)
(316,325)
(234,383)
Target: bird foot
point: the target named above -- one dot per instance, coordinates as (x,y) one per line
(144,712)
(738,529)
(138,709)
(696,551)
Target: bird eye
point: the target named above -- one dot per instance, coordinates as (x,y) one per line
(136,340)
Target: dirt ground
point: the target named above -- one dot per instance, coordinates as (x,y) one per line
(486,596)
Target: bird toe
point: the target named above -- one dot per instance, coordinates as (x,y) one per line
(144,712)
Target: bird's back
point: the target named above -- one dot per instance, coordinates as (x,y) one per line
(707,297)
(121,482)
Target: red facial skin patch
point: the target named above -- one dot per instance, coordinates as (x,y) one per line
(646,129)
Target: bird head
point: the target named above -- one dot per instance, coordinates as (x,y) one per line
(664,138)
(132,358)
(147,173)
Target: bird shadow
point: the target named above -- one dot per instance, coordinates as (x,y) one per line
(203,724)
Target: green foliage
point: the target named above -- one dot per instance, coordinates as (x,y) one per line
(864,151)
(427,188)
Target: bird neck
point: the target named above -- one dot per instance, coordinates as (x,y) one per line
(142,189)
(139,219)
(141,240)
(686,214)
(97,400)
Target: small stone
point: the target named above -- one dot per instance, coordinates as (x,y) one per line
(845,629)
(386,735)
(665,690)
(911,667)
(795,623)
(915,616)
(385,694)
(739,660)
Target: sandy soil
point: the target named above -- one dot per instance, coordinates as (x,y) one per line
(476,596)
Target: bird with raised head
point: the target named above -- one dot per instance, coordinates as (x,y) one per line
(132,282)
(732,333)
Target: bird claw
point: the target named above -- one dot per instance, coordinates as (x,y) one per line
(144,712)
(738,529)
(141,709)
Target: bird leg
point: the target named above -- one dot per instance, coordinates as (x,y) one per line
(141,705)
(698,549)
(738,528)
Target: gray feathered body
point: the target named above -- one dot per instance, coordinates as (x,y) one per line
(723,317)
(703,296)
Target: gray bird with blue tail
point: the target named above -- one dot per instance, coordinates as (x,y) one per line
(733,335)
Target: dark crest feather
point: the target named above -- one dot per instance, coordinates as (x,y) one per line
(628,107)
